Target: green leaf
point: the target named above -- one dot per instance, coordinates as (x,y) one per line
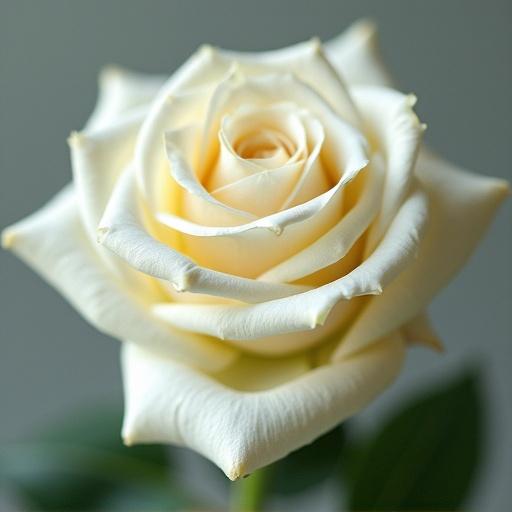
(308,466)
(424,458)
(82,464)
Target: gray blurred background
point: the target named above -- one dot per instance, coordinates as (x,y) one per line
(455,56)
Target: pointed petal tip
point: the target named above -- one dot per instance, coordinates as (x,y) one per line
(181,286)
(432,342)
(365,29)
(102,233)
(8,238)
(411,99)
(503,189)
(128,441)
(368,25)
(437,345)
(320,318)
(316,44)
(206,49)
(75,139)
(236,471)
(111,72)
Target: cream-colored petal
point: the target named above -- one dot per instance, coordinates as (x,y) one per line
(179,191)
(53,242)
(315,179)
(178,114)
(305,60)
(122,231)
(120,90)
(462,206)
(98,157)
(261,193)
(356,55)
(184,176)
(395,132)
(252,373)
(299,179)
(238,89)
(336,243)
(277,236)
(230,248)
(420,330)
(243,133)
(310,309)
(269,344)
(241,432)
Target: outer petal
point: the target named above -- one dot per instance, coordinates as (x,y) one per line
(53,242)
(462,206)
(395,132)
(241,432)
(121,90)
(306,60)
(355,55)
(420,330)
(98,157)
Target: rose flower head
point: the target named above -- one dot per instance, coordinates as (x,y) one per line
(263,232)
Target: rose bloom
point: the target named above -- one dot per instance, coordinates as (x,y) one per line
(263,231)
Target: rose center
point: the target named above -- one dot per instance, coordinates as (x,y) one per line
(265,144)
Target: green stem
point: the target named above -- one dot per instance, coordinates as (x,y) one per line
(248,494)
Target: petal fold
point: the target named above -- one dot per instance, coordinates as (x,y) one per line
(395,133)
(462,205)
(53,242)
(310,309)
(122,230)
(241,432)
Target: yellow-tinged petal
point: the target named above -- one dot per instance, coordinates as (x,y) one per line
(243,431)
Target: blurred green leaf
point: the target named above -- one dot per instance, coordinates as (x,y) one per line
(83,464)
(424,458)
(308,466)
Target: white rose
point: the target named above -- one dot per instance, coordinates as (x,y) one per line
(269,237)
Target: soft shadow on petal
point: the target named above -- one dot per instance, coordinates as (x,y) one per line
(356,56)
(307,61)
(53,242)
(177,114)
(269,344)
(98,157)
(253,373)
(337,242)
(395,132)
(462,205)
(186,178)
(310,309)
(230,248)
(123,231)
(241,432)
